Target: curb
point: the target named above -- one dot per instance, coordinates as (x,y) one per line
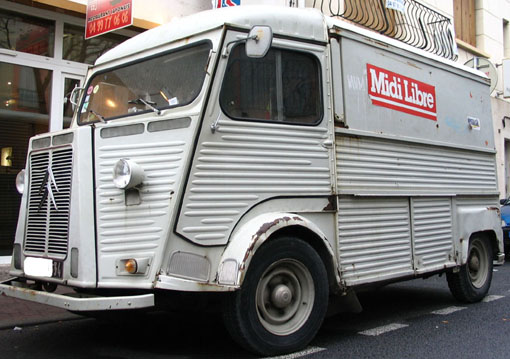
(4,272)
(20,323)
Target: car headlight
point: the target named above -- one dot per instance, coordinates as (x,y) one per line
(127,174)
(20,181)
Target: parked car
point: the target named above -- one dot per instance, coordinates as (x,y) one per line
(505,222)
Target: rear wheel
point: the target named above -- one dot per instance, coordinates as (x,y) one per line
(283,300)
(472,282)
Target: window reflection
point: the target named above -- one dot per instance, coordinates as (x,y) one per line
(69,85)
(26,34)
(76,48)
(283,86)
(24,112)
(25,89)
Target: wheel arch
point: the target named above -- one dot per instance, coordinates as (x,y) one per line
(491,237)
(252,235)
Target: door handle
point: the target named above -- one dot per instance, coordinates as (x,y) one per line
(215,125)
(327,144)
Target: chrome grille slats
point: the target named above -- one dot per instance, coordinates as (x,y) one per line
(47,226)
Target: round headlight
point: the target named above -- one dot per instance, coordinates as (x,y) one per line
(20,181)
(127,174)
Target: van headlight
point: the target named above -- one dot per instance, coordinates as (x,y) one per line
(127,174)
(20,181)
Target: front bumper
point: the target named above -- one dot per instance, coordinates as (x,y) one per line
(75,301)
(501,259)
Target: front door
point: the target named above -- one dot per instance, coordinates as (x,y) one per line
(266,134)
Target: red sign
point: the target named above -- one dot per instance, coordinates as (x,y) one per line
(401,93)
(107,15)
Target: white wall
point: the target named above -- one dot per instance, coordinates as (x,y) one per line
(162,11)
(490,16)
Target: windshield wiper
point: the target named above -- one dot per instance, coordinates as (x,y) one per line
(149,104)
(101,117)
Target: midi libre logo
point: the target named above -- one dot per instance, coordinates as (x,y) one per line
(401,93)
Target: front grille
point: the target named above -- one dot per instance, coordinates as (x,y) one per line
(47,230)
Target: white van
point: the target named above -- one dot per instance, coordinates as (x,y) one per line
(274,154)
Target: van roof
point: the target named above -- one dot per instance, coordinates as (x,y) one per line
(301,23)
(306,23)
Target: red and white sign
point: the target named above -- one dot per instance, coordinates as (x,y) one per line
(107,15)
(225,3)
(401,93)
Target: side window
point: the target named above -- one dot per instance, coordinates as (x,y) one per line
(284,86)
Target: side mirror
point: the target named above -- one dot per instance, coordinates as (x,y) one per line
(75,94)
(259,41)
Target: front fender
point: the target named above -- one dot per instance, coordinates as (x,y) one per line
(249,237)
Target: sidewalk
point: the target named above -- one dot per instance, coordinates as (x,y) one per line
(20,313)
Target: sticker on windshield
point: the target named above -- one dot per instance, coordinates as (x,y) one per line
(90,89)
(173,101)
(96,89)
(84,108)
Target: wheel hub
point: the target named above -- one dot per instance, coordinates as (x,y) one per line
(281,296)
(285,296)
(474,263)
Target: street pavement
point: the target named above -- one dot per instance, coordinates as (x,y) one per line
(16,313)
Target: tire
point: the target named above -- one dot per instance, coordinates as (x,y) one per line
(471,284)
(283,300)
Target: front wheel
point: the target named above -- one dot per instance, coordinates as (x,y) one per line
(471,284)
(283,300)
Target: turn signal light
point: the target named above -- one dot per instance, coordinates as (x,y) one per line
(131,266)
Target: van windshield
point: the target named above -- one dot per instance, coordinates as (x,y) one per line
(170,80)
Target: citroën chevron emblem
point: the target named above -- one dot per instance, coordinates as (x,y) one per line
(46,186)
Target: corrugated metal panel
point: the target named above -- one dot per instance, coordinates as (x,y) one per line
(379,166)
(125,228)
(245,163)
(432,232)
(374,238)
(482,201)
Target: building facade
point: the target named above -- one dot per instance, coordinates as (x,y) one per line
(43,56)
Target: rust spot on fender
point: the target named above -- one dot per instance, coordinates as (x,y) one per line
(261,231)
(496,209)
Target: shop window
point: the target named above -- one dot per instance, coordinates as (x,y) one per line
(26,34)
(24,90)
(284,86)
(76,48)
(24,112)
(464,18)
